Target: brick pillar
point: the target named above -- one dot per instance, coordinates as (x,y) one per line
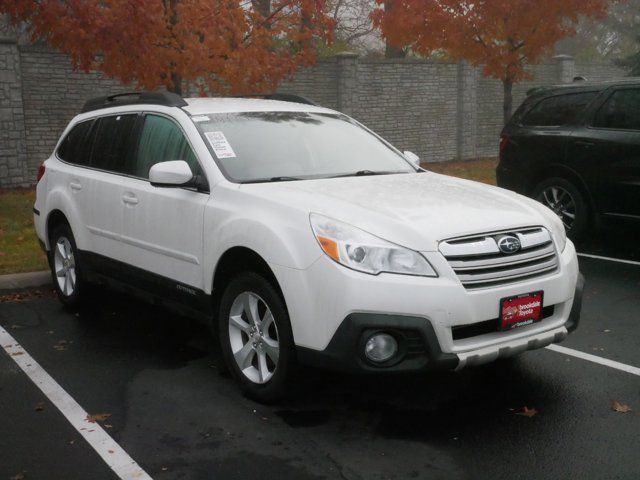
(565,65)
(466,111)
(13,145)
(347,82)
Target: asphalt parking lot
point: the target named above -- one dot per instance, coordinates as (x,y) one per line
(169,408)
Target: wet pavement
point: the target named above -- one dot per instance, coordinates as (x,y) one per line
(175,412)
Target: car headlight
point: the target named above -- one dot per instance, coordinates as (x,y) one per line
(558,231)
(359,250)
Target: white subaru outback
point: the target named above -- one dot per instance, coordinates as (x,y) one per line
(300,236)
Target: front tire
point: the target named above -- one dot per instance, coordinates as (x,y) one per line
(65,270)
(566,201)
(255,337)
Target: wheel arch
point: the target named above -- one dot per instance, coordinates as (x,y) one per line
(240,259)
(54,218)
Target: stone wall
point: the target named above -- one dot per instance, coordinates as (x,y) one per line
(52,95)
(441,111)
(13,147)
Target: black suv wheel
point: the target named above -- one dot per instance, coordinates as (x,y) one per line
(566,200)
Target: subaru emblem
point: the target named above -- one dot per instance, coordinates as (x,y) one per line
(509,244)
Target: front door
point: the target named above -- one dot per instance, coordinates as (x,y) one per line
(608,149)
(163,227)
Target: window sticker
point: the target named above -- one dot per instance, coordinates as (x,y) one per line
(220,145)
(200,118)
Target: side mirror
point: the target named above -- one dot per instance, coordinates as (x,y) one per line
(175,173)
(412,157)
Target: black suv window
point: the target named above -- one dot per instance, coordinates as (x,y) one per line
(558,110)
(162,140)
(620,111)
(111,148)
(76,146)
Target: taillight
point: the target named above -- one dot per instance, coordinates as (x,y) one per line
(504,141)
(40,173)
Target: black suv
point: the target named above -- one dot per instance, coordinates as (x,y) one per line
(576,148)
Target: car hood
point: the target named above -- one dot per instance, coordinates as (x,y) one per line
(413,210)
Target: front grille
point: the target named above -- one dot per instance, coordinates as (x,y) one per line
(460,332)
(479,263)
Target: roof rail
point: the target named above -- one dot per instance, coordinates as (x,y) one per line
(167,99)
(283,97)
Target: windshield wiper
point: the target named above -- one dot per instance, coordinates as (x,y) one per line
(273,179)
(364,173)
(283,179)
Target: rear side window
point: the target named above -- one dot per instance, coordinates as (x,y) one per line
(558,110)
(76,146)
(111,148)
(621,111)
(162,140)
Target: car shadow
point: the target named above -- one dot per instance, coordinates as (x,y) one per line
(431,406)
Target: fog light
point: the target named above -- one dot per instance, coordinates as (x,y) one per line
(380,347)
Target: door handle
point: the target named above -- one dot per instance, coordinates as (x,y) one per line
(585,143)
(75,186)
(130,199)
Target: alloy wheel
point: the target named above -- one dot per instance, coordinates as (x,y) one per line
(561,202)
(253,335)
(65,266)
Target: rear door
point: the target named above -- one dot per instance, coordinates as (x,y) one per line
(104,186)
(544,130)
(163,226)
(608,148)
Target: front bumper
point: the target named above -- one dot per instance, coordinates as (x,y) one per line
(418,343)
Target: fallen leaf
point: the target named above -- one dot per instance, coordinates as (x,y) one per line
(527,412)
(97,417)
(19,476)
(110,451)
(106,425)
(40,407)
(2,254)
(15,354)
(616,406)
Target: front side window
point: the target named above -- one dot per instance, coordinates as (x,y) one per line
(76,146)
(621,111)
(263,146)
(558,110)
(162,140)
(111,148)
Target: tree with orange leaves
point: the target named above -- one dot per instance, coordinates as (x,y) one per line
(224,46)
(501,36)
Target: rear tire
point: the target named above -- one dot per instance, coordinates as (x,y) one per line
(255,337)
(567,201)
(66,272)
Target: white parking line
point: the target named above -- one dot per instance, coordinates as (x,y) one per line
(610,259)
(595,359)
(114,456)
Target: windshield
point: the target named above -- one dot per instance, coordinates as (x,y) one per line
(280,146)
